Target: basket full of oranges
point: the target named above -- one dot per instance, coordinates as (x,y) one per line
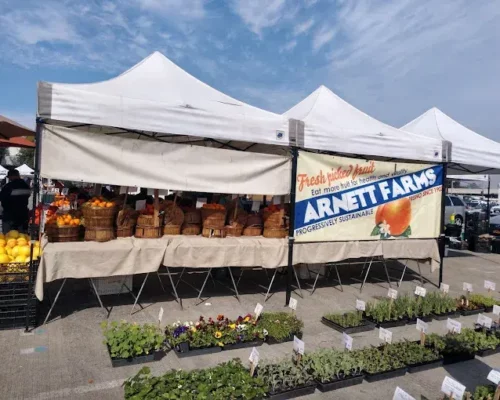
(99,207)
(63,228)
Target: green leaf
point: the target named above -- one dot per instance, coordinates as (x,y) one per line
(376,230)
(407,232)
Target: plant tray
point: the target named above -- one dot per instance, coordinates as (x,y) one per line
(380,376)
(488,352)
(445,316)
(121,362)
(340,383)
(243,345)
(197,352)
(389,324)
(471,312)
(413,321)
(425,366)
(271,340)
(364,327)
(293,393)
(457,357)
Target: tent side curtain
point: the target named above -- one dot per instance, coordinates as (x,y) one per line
(70,154)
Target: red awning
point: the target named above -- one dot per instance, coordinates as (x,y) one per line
(10,129)
(17,142)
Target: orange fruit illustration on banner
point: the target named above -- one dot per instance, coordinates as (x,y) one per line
(396,214)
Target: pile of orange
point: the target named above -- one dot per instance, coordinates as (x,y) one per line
(149,210)
(60,203)
(64,220)
(214,207)
(99,202)
(272,208)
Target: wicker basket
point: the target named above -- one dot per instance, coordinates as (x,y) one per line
(255,230)
(192,217)
(148,221)
(62,233)
(233,230)
(275,219)
(213,219)
(98,222)
(276,233)
(172,230)
(191,229)
(241,217)
(125,231)
(213,233)
(174,215)
(107,212)
(254,220)
(148,232)
(99,234)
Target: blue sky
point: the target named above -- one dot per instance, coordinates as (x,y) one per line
(392,59)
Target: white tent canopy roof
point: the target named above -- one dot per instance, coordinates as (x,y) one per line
(24,170)
(471,153)
(159,98)
(333,124)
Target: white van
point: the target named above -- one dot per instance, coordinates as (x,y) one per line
(454,205)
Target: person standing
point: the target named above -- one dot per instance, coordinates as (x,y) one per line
(14,197)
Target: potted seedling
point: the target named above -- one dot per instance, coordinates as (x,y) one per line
(379,364)
(387,313)
(280,327)
(352,322)
(487,302)
(415,356)
(443,306)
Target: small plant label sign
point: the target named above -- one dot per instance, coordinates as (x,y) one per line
(452,388)
(385,335)
(258,310)
(422,326)
(496,310)
(392,294)
(360,305)
(400,394)
(445,288)
(347,341)
(254,360)
(494,376)
(420,291)
(453,326)
(293,303)
(160,315)
(489,285)
(467,287)
(485,321)
(200,201)
(298,346)
(255,206)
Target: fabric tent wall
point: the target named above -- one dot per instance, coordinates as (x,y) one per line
(70,154)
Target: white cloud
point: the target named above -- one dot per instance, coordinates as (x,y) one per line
(303,27)
(259,14)
(289,46)
(323,36)
(310,3)
(188,9)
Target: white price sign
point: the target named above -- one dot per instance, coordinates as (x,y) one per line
(200,201)
(298,345)
(254,357)
(467,287)
(347,341)
(452,388)
(485,321)
(160,315)
(445,288)
(422,326)
(489,285)
(258,310)
(400,394)
(293,303)
(453,326)
(494,376)
(392,294)
(385,335)
(496,310)
(255,206)
(420,291)
(360,305)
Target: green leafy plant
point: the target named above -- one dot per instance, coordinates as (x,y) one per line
(329,365)
(281,325)
(465,304)
(483,301)
(411,353)
(284,376)
(378,360)
(346,320)
(125,340)
(227,381)
(441,303)
(484,392)
(468,341)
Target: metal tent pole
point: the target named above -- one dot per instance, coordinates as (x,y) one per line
(488,202)
(293,187)
(441,240)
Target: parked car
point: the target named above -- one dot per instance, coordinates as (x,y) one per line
(454,205)
(495,210)
(495,225)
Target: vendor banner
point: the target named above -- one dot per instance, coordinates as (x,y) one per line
(342,199)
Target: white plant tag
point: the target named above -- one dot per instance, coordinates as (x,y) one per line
(200,201)
(453,326)
(452,388)
(392,294)
(360,305)
(347,341)
(422,326)
(160,315)
(445,288)
(258,310)
(298,345)
(293,303)
(496,310)
(255,206)
(489,285)
(400,394)
(467,287)
(254,357)
(494,376)
(420,291)
(385,335)
(485,321)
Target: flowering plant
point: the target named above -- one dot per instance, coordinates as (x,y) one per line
(218,332)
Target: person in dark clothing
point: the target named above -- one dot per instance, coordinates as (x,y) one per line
(14,197)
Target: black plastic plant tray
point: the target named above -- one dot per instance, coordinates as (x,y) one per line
(413,321)
(488,352)
(488,309)
(380,376)
(243,345)
(465,313)
(271,340)
(425,366)
(445,316)
(390,324)
(293,393)
(364,327)
(340,383)
(197,352)
(457,357)
(121,362)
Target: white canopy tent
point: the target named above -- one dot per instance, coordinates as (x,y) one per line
(24,170)
(471,153)
(145,128)
(332,124)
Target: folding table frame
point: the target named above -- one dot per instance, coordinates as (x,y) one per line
(328,268)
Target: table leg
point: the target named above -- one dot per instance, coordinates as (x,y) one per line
(403,274)
(161,283)
(420,273)
(298,282)
(209,273)
(54,302)
(173,287)
(315,281)
(139,294)
(387,273)
(338,276)
(366,276)
(270,285)
(234,284)
(98,297)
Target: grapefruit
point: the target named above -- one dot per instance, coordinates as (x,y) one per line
(20,259)
(15,251)
(24,251)
(4,259)
(12,234)
(11,243)
(22,241)
(3,242)
(397,214)
(2,250)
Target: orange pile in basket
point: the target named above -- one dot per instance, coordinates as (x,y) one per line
(214,207)
(99,202)
(60,203)
(64,220)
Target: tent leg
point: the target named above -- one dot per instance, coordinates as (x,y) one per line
(270,285)
(366,276)
(403,274)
